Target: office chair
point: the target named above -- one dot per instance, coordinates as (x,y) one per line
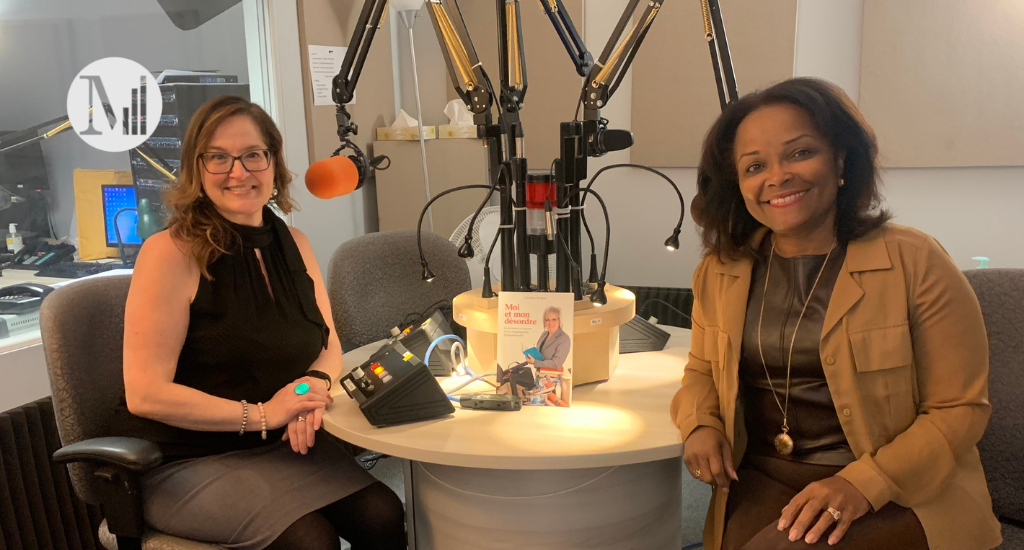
(82,327)
(1001,295)
(375,282)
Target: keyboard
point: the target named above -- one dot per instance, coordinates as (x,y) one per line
(77,270)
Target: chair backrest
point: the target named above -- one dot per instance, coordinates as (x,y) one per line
(82,327)
(1001,295)
(374,282)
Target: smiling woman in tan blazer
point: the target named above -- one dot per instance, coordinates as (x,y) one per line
(837,383)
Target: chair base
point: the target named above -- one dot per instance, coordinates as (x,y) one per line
(153,540)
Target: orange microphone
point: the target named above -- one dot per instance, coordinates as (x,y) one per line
(333,177)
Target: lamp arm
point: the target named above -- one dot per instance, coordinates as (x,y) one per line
(419,223)
(607,226)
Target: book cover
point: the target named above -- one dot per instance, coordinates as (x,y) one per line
(535,347)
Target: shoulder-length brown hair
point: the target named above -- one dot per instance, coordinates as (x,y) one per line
(727,227)
(193,218)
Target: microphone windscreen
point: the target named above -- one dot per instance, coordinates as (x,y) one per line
(332,177)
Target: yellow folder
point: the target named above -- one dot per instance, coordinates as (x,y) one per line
(92,239)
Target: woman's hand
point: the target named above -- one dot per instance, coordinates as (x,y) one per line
(302,433)
(809,512)
(529,359)
(708,457)
(285,406)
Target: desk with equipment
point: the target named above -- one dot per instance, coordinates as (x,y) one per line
(22,365)
(30,273)
(605,473)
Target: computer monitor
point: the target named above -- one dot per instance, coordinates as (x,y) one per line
(23,169)
(115,198)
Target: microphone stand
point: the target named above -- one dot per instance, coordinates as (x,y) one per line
(721,59)
(512,88)
(591,137)
(474,87)
(343,87)
(578,139)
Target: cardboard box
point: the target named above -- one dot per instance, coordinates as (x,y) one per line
(92,237)
(447,131)
(405,134)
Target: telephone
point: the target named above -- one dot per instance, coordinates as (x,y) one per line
(22,298)
(41,254)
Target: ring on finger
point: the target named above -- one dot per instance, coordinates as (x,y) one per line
(696,473)
(835,513)
(301,419)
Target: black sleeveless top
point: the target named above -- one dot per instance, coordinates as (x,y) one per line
(244,340)
(813,422)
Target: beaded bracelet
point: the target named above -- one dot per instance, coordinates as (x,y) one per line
(263,420)
(245,417)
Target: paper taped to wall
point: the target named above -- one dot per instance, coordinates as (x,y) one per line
(324,64)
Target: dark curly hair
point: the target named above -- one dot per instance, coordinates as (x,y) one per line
(727,227)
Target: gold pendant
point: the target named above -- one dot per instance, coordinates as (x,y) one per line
(784,444)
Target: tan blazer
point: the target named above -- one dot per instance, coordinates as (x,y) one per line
(906,358)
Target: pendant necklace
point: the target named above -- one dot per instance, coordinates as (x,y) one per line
(784,442)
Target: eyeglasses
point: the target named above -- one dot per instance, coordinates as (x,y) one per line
(222,163)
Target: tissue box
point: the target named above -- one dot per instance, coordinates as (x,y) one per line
(405,134)
(448,131)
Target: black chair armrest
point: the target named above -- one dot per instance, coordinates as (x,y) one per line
(136,455)
(120,463)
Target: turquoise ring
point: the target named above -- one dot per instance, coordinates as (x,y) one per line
(301,389)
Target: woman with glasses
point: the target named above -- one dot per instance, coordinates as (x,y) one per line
(229,359)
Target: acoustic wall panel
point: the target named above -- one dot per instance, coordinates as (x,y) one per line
(675,100)
(942,81)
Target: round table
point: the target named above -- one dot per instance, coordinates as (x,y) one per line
(605,473)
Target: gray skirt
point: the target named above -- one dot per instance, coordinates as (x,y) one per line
(246,499)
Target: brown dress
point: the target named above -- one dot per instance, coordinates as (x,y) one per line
(768,480)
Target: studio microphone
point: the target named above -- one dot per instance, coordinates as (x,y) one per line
(613,140)
(340,175)
(333,177)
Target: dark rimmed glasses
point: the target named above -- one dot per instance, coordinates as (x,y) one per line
(222,163)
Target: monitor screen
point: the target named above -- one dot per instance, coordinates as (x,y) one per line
(116,197)
(22,169)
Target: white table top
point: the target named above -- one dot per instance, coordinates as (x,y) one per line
(622,421)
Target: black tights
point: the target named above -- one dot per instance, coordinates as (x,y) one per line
(371,518)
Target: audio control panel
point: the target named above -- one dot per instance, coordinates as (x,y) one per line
(394,387)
